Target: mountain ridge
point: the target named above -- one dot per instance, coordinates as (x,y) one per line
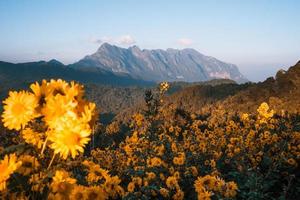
(159,65)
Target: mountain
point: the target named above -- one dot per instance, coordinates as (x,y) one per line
(159,65)
(18,76)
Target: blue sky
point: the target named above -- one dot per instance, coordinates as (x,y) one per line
(260,36)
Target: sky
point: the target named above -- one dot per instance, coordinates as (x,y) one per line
(259,36)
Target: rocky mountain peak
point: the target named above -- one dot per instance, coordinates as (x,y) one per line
(160,65)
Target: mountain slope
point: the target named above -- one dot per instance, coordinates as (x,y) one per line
(33,71)
(159,65)
(282,93)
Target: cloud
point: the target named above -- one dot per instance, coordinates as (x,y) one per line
(184,41)
(101,40)
(125,40)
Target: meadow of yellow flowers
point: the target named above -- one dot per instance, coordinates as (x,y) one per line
(48,150)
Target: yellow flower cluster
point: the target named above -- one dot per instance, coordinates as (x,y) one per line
(67,117)
(207,185)
(179,160)
(264,113)
(163,87)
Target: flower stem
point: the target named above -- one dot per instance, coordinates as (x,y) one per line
(51,161)
(44,146)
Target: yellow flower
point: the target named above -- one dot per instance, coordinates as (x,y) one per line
(138,181)
(163,87)
(58,87)
(174,147)
(32,137)
(131,187)
(89,113)
(19,109)
(8,166)
(264,112)
(95,172)
(76,91)
(194,171)
(63,176)
(212,163)
(29,164)
(171,182)
(40,92)
(62,183)
(231,188)
(292,162)
(154,162)
(95,192)
(78,192)
(205,195)
(179,195)
(245,117)
(199,186)
(151,175)
(177,175)
(69,137)
(164,192)
(57,108)
(112,187)
(138,119)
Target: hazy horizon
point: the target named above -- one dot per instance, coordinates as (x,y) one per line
(260,37)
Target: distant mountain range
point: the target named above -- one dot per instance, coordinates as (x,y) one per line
(112,65)
(15,75)
(159,65)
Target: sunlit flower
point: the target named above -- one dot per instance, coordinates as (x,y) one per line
(58,87)
(7,167)
(40,92)
(69,137)
(264,112)
(19,109)
(163,87)
(32,137)
(57,108)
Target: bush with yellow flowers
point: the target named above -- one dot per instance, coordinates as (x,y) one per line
(54,123)
(165,152)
